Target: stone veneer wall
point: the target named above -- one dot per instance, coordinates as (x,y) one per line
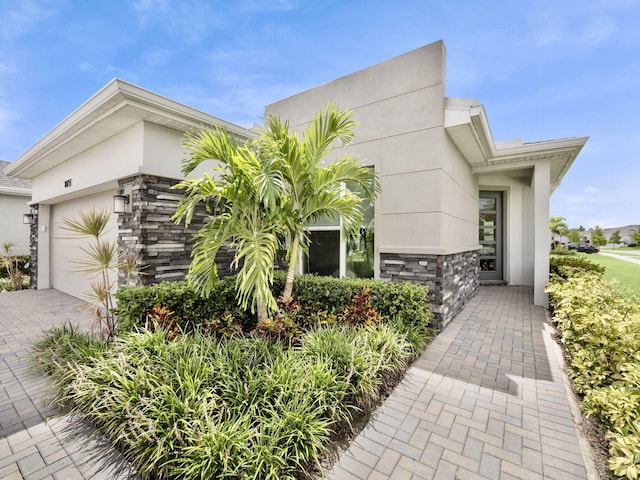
(452,279)
(163,248)
(33,248)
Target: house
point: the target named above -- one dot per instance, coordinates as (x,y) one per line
(15,194)
(456,207)
(626,235)
(123,140)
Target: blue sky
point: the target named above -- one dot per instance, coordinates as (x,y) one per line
(543,69)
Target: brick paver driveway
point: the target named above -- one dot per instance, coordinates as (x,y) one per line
(35,441)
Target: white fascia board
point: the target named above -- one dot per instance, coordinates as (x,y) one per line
(20,192)
(537,148)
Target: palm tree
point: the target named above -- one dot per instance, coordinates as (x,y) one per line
(558,226)
(100,261)
(314,190)
(243,201)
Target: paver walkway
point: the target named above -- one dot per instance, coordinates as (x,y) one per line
(486,400)
(35,441)
(631,258)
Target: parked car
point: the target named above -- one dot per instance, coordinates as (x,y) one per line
(583,247)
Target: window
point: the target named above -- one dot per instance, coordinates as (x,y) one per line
(330,255)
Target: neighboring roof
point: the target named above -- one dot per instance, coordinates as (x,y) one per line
(12,185)
(467,125)
(113,109)
(626,230)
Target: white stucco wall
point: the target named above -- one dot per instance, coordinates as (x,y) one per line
(429,200)
(12,207)
(162,151)
(89,172)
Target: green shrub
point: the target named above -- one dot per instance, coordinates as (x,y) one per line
(600,328)
(62,347)
(318,300)
(601,331)
(6,284)
(568,266)
(22,263)
(563,251)
(190,309)
(198,408)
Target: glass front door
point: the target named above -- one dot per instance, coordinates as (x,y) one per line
(490,236)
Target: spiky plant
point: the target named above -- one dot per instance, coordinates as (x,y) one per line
(10,263)
(100,260)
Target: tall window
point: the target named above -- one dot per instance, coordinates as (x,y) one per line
(331,255)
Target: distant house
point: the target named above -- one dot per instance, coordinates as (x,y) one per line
(456,208)
(626,235)
(15,194)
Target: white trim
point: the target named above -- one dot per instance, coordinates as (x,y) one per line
(467,125)
(21,192)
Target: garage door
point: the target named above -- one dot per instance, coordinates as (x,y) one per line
(64,249)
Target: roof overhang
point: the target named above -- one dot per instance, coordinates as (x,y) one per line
(118,106)
(467,125)
(19,192)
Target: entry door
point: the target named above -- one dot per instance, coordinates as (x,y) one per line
(490,236)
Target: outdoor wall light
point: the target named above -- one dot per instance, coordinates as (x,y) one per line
(120,203)
(28,218)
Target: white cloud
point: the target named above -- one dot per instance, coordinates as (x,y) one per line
(157,57)
(191,20)
(20,18)
(273,5)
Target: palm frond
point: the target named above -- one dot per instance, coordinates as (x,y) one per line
(213,143)
(100,256)
(327,127)
(90,223)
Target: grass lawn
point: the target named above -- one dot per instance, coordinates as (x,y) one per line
(627,273)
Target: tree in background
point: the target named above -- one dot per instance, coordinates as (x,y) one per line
(573,235)
(597,237)
(558,227)
(636,235)
(615,238)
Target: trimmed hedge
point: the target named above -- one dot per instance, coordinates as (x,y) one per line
(568,266)
(404,303)
(601,332)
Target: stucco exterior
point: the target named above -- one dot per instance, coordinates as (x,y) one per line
(435,156)
(15,195)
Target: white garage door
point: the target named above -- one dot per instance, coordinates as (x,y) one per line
(64,249)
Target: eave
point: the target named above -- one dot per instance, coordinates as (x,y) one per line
(18,192)
(118,106)
(467,125)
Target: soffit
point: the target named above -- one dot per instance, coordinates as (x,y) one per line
(118,106)
(467,125)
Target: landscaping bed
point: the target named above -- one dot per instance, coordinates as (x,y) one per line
(191,389)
